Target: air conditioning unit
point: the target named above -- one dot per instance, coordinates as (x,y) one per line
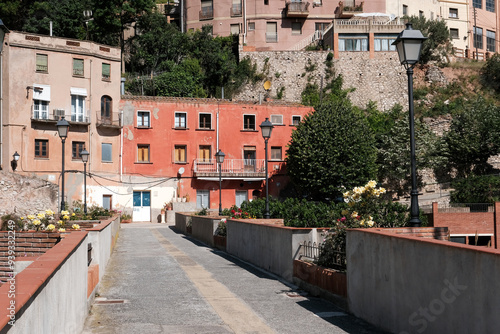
(58,113)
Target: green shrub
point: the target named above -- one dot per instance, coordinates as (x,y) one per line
(476,189)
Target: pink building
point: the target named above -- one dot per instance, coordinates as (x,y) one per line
(45,78)
(175,140)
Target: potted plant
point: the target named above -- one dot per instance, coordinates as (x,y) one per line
(125,218)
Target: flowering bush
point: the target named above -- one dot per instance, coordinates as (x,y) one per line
(42,221)
(221,228)
(75,227)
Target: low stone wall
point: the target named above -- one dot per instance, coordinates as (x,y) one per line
(405,284)
(181,221)
(55,290)
(203,228)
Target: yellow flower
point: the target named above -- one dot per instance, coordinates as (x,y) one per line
(22,218)
(40,215)
(73,214)
(346,194)
(50,228)
(31,217)
(370,223)
(49,212)
(66,217)
(362,222)
(382,190)
(60,222)
(64,212)
(354,214)
(36,222)
(75,227)
(371,184)
(62,230)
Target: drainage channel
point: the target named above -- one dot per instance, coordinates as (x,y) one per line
(106,301)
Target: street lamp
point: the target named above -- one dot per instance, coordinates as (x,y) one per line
(267,128)
(62,128)
(14,161)
(219,157)
(85,157)
(409,44)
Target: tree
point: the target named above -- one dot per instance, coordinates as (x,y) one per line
(473,137)
(490,73)
(438,42)
(332,148)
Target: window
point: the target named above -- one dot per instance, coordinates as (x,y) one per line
(205,121)
(106,107)
(205,153)
(42,63)
(454,33)
(78,67)
(490,5)
(180,154)
(77,108)
(490,41)
(106,152)
(106,72)
(77,148)
(236,8)
(40,109)
(241,196)
(405,10)
(272,32)
(142,153)
(143,119)
(41,148)
(420,13)
(251,26)
(296,120)
(107,202)
(453,13)
(478,37)
(384,42)
(180,120)
(248,122)
(353,42)
(235,29)
(277,119)
(296,28)
(477,4)
(207,9)
(202,199)
(266,2)
(276,153)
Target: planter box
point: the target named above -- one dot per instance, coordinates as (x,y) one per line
(220,242)
(318,281)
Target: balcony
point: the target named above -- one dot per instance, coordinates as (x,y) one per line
(56,114)
(348,9)
(297,9)
(113,121)
(206,13)
(248,169)
(236,10)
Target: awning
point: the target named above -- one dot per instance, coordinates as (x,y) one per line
(78,91)
(41,92)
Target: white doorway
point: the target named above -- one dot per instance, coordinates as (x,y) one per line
(142,206)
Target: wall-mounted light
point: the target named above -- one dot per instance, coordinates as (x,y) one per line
(14,161)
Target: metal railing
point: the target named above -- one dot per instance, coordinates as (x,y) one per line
(298,7)
(230,166)
(311,251)
(114,120)
(206,13)
(55,115)
(236,10)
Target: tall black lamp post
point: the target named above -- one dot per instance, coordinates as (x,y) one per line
(14,161)
(409,44)
(62,128)
(267,128)
(219,157)
(85,158)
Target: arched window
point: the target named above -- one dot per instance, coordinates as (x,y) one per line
(106,107)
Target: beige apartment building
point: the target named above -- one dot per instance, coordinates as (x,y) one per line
(46,78)
(274,25)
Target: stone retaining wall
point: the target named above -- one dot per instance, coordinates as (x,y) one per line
(381,79)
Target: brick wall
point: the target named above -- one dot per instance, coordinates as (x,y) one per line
(27,244)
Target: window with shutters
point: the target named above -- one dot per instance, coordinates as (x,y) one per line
(41,148)
(180,120)
(248,122)
(106,72)
(180,154)
(106,149)
(42,63)
(142,153)
(77,148)
(143,119)
(205,153)
(276,153)
(78,67)
(205,121)
(271,32)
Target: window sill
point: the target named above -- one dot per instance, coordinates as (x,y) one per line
(143,127)
(78,76)
(180,128)
(106,80)
(143,162)
(278,124)
(181,162)
(42,158)
(204,129)
(106,162)
(43,72)
(249,130)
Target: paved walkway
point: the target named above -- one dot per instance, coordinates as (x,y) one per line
(159,281)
